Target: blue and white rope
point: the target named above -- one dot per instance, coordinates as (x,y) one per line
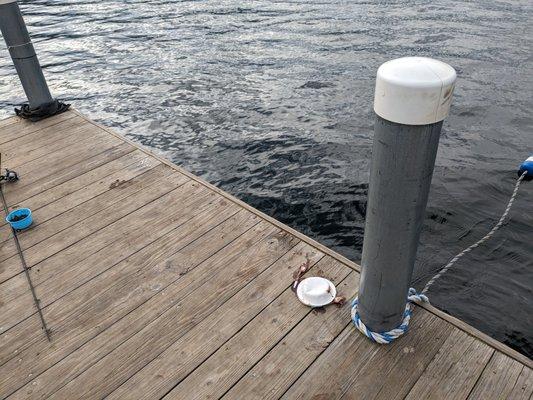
(414,297)
(389,336)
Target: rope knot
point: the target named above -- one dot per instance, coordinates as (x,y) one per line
(387,337)
(415,297)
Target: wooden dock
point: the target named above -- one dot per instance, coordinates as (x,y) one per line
(156,284)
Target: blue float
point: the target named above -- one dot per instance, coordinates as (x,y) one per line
(527,166)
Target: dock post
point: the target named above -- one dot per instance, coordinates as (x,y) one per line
(13,28)
(412,98)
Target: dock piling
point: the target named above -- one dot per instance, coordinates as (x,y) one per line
(13,28)
(412,98)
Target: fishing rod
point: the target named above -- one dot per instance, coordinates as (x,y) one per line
(11,176)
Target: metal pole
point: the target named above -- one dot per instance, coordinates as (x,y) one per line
(23,54)
(412,98)
(41,104)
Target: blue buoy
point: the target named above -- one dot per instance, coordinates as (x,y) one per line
(527,166)
(20,218)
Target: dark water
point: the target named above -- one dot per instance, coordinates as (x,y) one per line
(271,101)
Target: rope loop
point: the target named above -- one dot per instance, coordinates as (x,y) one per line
(415,297)
(389,336)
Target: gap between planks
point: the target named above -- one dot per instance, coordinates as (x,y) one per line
(452,320)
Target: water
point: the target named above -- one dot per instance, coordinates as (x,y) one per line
(271,101)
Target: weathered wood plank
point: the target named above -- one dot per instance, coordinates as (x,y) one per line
(34,140)
(73,209)
(455,369)
(523,389)
(212,332)
(42,142)
(17,192)
(348,363)
(103,216)
(75,139)
(53,203)
(498,380)
(100,220)
(82,184)
(9,121)
(34,172)
(499,346)
(218,285)
(107,192)
(15,128)
(17,298)
(229,363)
(287,360)
(92,311)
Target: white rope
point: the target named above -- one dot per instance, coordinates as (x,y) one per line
(414,297)
(389,336)
(480,241)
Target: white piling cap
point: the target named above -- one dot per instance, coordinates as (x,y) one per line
(414,90)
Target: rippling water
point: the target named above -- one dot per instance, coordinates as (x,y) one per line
(271,101)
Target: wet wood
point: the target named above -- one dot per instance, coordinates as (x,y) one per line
(157,284)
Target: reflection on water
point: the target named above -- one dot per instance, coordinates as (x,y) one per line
(271,100)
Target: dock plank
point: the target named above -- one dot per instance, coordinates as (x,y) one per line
(19,192)
(15,128)
(258,249)
(523,388)
(41,143)
(81,187)
(346,368)
(229,363)
(498,380)
(158,284)
(86,243)
(455,369)
(87,144)
(106,193)
(88,320)
(215,330)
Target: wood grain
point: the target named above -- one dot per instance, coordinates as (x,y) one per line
(245,259)
(346,368)
(200,342)
(229,363)
(455,369)
(18,192)
(15,128)
(156,283)
(78,243)
(73,210)
(499,379)
(93,320)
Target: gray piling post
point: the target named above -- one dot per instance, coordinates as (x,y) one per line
(412,98)
(24,58)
